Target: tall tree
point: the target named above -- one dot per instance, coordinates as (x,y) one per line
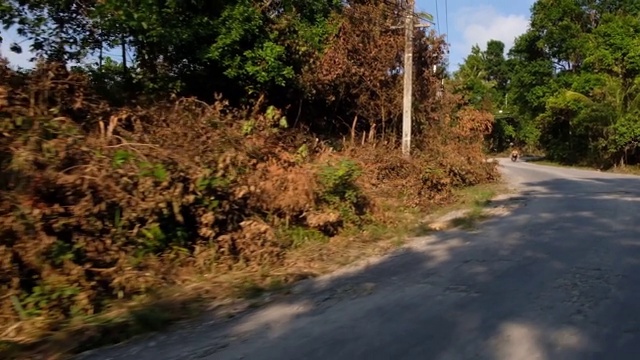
(496,65)
(573,80)
(61,30)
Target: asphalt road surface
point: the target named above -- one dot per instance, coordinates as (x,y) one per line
(556,278)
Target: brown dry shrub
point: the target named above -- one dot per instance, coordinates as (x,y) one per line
(100,204)
(290,191)
(355,66)
(447,154)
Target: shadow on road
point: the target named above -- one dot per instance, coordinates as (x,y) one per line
(557,278)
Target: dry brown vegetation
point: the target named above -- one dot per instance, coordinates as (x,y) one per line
(102,207)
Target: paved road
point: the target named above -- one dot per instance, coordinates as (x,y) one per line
(557,278)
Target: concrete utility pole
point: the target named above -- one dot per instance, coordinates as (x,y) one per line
(407,98)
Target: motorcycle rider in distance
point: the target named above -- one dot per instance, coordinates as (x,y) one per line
(515,154)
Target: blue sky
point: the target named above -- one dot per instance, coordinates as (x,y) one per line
(470,22)
(478,21)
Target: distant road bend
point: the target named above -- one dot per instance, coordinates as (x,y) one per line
(556,278)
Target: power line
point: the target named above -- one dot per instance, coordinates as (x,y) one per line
(446,17)
(437,17)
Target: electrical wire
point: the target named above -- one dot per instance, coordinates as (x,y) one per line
(437,17)
(446,17)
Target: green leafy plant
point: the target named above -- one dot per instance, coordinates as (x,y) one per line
(45,296)
(340,191)
(338,182)
(156,171)
(120,157)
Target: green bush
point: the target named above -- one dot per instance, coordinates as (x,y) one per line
(340,191)
(339,182)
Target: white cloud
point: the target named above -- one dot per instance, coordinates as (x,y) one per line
(477,25)
(481,24)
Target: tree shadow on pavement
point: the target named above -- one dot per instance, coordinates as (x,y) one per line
(556,278)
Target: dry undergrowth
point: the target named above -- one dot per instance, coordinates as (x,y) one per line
(117,221)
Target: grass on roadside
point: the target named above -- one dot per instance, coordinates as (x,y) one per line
(469,209)
(470,220)
(477,199)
